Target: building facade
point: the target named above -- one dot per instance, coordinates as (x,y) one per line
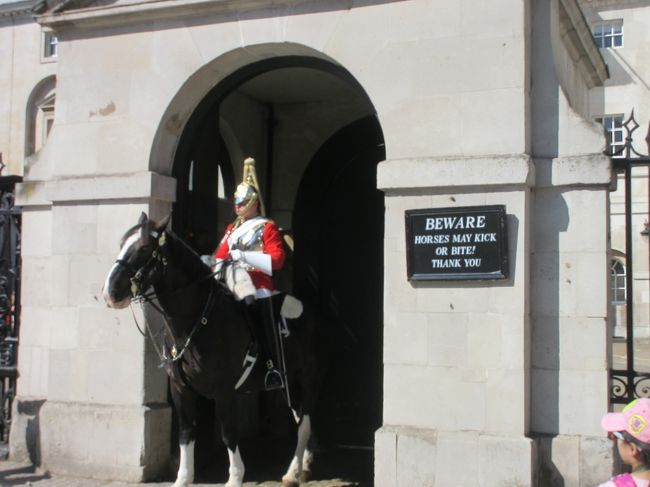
(620,29)
(439,106)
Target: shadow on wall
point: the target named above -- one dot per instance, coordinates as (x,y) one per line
(30,412)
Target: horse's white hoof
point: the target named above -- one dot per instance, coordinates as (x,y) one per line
(305,476)
(289,482)
(182,483)
(234,484)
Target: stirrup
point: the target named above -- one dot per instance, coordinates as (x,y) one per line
(273,380)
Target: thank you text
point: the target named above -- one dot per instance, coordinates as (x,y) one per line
(457,243)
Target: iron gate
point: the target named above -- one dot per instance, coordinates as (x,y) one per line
(629,383)
(10,224)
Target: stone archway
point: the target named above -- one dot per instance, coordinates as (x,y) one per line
(295,115)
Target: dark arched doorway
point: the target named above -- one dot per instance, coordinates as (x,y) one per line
(339,229)
(316,140)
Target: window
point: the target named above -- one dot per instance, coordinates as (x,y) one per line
(613,125)
(44,121)
(608,34)
(40,115)
(619,283)
(50,45)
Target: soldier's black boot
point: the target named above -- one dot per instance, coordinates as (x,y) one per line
(268,344)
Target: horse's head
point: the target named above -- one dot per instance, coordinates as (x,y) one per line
(138,265)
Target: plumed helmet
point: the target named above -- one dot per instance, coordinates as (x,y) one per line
(248,191)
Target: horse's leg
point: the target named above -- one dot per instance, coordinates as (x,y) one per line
(293,475)
(185,403)
(226,414)
(307,460)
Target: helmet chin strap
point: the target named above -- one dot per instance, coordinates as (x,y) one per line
(242,211)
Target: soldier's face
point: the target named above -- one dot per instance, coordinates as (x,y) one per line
(246,211)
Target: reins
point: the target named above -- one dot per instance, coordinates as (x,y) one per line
(140,296)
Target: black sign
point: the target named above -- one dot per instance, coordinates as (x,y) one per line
(457,243)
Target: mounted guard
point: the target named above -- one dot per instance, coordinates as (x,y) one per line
(255,246)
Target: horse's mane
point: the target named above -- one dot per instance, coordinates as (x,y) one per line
(186,257)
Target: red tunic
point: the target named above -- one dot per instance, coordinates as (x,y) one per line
(272,244)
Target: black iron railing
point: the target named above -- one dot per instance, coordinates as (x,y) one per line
(10,225)
(628,384)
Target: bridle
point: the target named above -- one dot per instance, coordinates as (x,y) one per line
(156,259)
(142,292)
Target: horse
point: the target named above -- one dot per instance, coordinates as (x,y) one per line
(206,341)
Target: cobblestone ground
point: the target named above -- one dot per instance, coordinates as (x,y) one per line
(335,467)
(12,474)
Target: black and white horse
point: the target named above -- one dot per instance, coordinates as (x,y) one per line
(207,339)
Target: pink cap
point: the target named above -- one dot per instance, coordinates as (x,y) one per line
(635,419)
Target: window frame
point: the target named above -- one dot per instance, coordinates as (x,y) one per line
(618,281)
(608,32)
(615,132)
(49,46)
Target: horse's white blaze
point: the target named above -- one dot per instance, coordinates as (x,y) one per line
(185,475)
(304,432)
(105,293)
(236,470)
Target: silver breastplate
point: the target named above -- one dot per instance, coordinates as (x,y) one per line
(248,237)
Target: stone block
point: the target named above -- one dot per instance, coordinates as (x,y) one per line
(308,30)
(544,401)
(592,294)
(105,329)
(37,334)
(419,397)
(36,282)
(447,340)
(61,270)
(35,231)
(76,230)
(428,457)
(505,461)
(582,401)
(584,233)
(67,375)
(108,442)
(515,338)
(583,461)
(112,378)
(449,449)
(64,324)
(456,172)
(583,343)
(113,221)
(399,295)
(569,284)
(405,338)
(403,140)
(476,108)
(505,52)
(506,402)
(545,343)
(127,147)
(385,457)
(464,297)
(487,21)
(414,454)
(87,276)
(596,459)
(33,367)
(484,340)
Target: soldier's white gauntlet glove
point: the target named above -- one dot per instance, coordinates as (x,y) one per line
(259,260)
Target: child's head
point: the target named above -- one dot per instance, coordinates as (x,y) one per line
(631,427)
